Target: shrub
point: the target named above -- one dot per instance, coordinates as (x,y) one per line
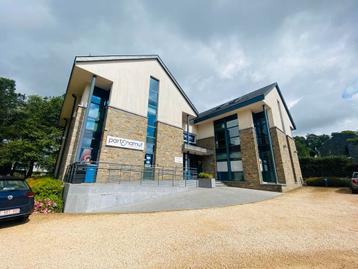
(205,175)
(334,166)
(330,182)
(48,194)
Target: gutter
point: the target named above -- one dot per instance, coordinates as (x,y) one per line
(67,133)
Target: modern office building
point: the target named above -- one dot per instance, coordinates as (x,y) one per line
(131,110)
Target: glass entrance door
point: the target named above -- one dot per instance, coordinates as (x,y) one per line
(228,150)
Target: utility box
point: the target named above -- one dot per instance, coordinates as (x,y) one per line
(91,171)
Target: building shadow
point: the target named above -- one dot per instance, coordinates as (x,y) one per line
(12,222)
(345,190)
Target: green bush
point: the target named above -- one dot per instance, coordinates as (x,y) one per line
(205,175)
(334,166)
(330,182)
(47,188)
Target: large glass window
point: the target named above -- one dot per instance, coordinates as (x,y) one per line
(227,147)
(152,122)
(264,148)
(93,127)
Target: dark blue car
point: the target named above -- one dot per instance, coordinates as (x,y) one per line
(16,198)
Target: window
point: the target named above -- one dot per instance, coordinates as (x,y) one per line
(228,150)
(13,185)
(152,123)
(190,136)
(264,148)
(94,125)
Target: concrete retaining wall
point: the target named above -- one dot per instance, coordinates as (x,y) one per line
(86,198)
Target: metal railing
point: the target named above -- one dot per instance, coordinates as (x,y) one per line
(104,172)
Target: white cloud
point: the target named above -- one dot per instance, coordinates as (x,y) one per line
(294,102)
(217,51)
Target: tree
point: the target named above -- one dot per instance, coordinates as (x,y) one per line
(33,134)
(314,142)
(302,149)
(10,103)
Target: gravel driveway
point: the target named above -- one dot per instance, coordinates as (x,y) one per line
(306,228)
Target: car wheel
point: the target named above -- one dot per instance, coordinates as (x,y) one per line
(24,218)
(354,191)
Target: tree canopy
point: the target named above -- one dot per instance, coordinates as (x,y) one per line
(29,131)
(311,144)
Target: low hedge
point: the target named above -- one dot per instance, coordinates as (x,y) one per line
(48,194)
(333,166)
(328,182)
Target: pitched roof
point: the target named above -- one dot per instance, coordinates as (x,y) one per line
(245,100)
(137,57)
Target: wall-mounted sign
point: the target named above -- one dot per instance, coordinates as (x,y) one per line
(178,159)
(124,143)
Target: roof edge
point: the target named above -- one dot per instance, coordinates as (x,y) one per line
(285,105)
(139,57)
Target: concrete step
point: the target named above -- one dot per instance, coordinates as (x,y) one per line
(218,183)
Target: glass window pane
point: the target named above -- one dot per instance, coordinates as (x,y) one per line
(231,123)
(94,111)
(221,166)
(235,155)
(220,144)
(12,185)
(236,166)
(151,131)
(96,99)
(152,110)
(152,119)
(237,176)
(149,148)
(221,156)
(235,141)
(233,132)
(91,125)
(150,140)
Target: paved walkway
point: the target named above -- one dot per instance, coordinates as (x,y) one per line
(196,199)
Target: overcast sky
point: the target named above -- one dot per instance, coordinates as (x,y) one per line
(217,50)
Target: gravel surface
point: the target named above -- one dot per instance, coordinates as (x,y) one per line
(306,228)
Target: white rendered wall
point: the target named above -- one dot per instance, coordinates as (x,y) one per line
(274,112)
(205,130)
(245,119)
(130,88)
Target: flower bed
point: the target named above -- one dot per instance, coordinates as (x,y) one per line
(48,194)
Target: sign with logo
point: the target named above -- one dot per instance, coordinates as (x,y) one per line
(124,143)
(178,159)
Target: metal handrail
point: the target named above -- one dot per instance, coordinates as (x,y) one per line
(118,172)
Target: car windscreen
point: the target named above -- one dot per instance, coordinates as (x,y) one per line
(355,175)
(13,185)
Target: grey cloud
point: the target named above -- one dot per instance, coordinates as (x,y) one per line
(217,50)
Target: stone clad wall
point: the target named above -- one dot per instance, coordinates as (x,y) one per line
(250,157)
(122,124)
(208,162)
(70,148)
(295,160)
(169,145)
(284,168)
